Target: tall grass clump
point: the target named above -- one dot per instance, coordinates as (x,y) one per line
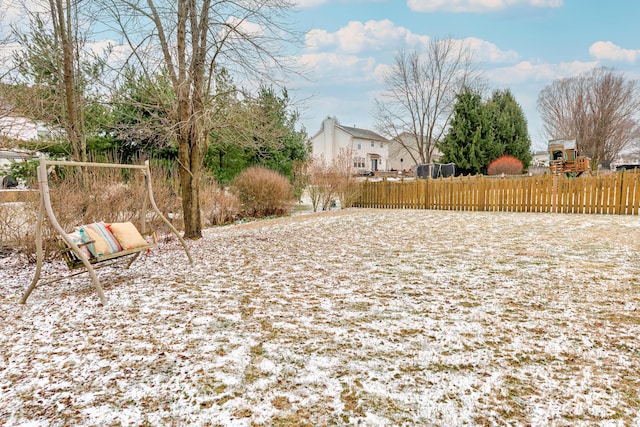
(263,192)
(219,205)
(85,195)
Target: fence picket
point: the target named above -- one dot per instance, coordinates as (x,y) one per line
(617,193)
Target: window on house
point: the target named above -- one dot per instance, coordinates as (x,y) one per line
(382,145)
(359,145)
(373,144)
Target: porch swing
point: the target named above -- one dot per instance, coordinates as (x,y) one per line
(77,254)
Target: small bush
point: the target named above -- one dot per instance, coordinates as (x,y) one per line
(330,181)
(218,205)
(17,225)
(81,196)
(263,192)
(505,164)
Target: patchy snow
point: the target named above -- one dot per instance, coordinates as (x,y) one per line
(357,317)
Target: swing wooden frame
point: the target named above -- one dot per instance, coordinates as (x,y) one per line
(70,250)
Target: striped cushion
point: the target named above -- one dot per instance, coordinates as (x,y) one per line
(105,243)
(78,238)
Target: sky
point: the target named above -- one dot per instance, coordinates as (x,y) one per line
(521,45)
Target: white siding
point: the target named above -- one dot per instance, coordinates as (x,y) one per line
(21,128)
(400,154)
(331,140)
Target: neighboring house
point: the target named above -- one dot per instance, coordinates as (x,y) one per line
(540,159)
(368,151)
(16,128)
(7,158)
(625,160)
(401,149)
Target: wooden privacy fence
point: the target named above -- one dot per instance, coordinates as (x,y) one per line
(617,193)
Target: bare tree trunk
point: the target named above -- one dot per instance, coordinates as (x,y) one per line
(190,175)
(193,36)
(63,32)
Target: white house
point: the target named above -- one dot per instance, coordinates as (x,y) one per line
(16,128)
(369,152)
(404,153)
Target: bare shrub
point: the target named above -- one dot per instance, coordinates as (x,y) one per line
(347,188)
(328,182)
(505,164)
(17,226)
(263,192)
(319,188)
(85,195)
(219,205)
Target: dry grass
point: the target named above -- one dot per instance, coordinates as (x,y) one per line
(364,317)
(81,197)
(219,206)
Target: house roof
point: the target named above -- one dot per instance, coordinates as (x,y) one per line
(362,133)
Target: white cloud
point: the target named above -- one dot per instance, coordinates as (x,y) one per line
(117,53)
(15,11)
(340,69)
(611,52)
(476,6)
(307,4)
(249,28)
(488,52)
(303,4)
(527,71)
(358,37)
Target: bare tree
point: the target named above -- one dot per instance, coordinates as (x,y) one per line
(420,94)
(190,40)
(50,69)
(321,188)
(600,109)
(330,181)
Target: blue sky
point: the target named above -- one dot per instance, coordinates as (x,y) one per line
(522,45)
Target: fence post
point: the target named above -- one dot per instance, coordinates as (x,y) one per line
(612,194)
(554,194)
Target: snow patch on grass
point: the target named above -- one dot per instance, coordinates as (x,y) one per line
(369,317)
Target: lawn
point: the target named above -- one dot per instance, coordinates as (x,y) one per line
(357,317)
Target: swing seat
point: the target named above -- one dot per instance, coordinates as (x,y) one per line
(74,262)
(88,249)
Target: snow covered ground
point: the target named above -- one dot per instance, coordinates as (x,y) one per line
(356,317)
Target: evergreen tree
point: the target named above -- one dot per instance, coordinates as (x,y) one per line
(227,153)
(510,126)
(481,132)
(139,119)
(470,142)
(279,144)
(260,130)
